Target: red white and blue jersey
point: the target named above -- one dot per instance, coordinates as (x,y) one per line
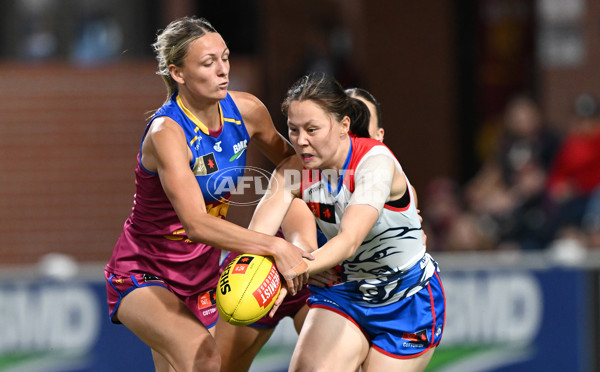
(391,263)
(153,240)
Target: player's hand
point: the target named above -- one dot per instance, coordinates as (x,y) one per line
(290,263)
(282,293)
(296,277)
(325,278)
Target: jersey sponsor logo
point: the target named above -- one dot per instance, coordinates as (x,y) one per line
(151,278)
(209,311)
(239,149)
(206,164)
(195,142)
(207,299)
(420,336)
(328,301)
(315,188)
(242,265)
(224,280)
(217,146)
(325,212)
(265,294)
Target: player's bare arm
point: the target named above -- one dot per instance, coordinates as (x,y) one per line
(164,148)
(269,214)
(261,128)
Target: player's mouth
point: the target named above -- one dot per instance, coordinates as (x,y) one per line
(307,157)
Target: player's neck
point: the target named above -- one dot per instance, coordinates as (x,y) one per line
(206,112)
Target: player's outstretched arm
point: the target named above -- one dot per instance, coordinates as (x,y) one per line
(270,213)
(375,180)
(356,223)
(164,152)
(299,226)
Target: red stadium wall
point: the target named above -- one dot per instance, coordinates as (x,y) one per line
(69,138)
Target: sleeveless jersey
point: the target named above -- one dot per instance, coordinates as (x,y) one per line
(153,240)
(391,263)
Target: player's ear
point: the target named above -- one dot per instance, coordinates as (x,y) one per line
(176,73)
(380,134)
(344,126)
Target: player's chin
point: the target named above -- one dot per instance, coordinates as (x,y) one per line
(221,94)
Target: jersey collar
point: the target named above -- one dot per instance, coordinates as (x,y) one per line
(200,125)
(341,176)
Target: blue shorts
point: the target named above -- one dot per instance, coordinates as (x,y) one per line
(405,329)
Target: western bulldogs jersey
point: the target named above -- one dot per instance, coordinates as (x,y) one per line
(153,240)
(391,263)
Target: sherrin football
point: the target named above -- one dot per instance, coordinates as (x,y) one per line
(247,289)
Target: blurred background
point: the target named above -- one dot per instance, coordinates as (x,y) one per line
(490,106)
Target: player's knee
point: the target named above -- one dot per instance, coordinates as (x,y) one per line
(195,354)
(208,363)
(207,357)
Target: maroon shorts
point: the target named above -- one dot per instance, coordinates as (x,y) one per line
(290,306)
(203,304)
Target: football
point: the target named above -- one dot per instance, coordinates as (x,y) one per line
(247,289)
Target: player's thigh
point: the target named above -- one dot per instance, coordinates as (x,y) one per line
(300,317)
(329,342)
(379,362)
(239,346)
(164,323)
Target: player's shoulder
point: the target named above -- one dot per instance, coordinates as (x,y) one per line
(163,124)
(362,146)
(253,111)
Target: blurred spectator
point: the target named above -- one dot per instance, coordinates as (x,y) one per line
(99,39)
(574,182)
(40,41)
(329,47)
(447,224)
(509,190)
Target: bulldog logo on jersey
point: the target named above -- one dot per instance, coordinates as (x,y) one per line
(205,164)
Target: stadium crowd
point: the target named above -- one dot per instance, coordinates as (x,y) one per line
(536,187)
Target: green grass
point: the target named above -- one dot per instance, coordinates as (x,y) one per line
(443,357)
(11,360)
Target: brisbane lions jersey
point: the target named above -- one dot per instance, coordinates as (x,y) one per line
(153,240)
